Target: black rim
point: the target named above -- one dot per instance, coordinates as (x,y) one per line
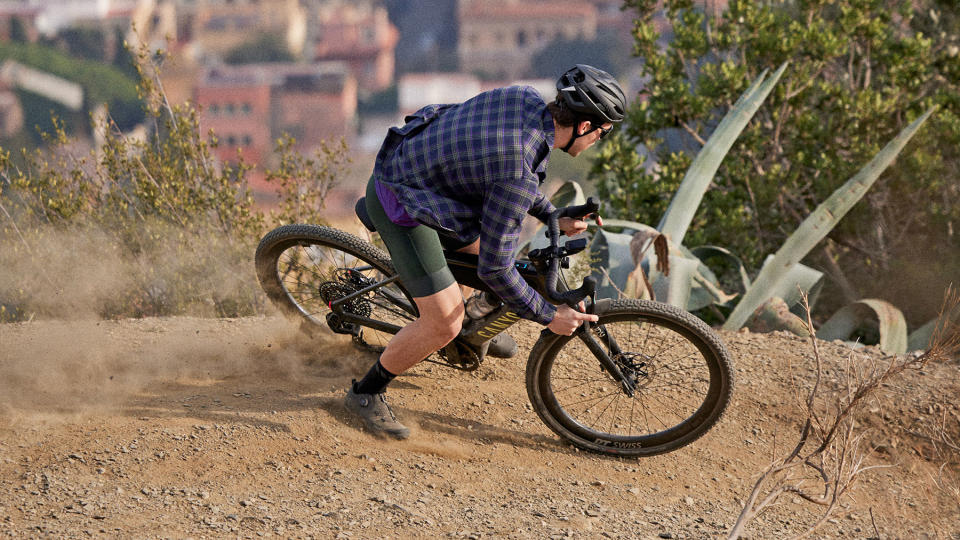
(677,375)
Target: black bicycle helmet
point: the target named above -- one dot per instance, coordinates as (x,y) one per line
(593,93)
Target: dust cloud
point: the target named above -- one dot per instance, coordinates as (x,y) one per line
(86,272)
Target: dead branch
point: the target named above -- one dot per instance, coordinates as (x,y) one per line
(828,444)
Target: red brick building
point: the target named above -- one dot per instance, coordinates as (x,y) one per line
(250,106)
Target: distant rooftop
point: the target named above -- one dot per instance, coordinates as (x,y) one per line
(326,76)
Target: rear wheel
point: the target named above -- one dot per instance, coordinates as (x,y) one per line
(303,268)
(682,373)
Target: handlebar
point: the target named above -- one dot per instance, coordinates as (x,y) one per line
(552,255)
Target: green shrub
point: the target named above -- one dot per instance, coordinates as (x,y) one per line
(146,226)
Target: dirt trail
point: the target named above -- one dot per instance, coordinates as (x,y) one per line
(209,428)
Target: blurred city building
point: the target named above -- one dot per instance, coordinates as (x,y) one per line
(213,27)
(499,37)
(53,15)
(18,21)
(356,32)
(250,106)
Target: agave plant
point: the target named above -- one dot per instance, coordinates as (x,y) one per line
(624,261)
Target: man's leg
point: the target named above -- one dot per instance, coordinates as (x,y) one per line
(418,256)
(441,317)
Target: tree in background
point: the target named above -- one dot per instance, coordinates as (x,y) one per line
(101,84)
(262,48)
(859,72)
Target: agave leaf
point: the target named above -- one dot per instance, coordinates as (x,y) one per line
(705,253)
(799,278)
(676,288)
(920,338)
(817,225)
(612,262)
(691,284)
(889,321)
(685,202)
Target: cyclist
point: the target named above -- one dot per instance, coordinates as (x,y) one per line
(463,176)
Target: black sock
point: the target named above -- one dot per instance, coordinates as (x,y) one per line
(375,381)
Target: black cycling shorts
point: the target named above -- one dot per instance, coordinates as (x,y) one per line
(417,252)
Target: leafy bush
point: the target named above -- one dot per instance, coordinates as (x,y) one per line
(859,73)
(140,226)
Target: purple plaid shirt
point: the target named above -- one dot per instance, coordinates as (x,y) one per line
(474,169)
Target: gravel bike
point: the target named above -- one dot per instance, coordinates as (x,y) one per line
(645,379)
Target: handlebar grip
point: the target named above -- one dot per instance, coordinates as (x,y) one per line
(585,209)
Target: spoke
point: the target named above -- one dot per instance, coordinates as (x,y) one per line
(596,398)
(671,406)
(391,308)
(679,384)
(613,417)
(613,399)
(633,406)
(652,413)
(678,370)
(568,388)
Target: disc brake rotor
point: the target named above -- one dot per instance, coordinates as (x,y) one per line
(636,367)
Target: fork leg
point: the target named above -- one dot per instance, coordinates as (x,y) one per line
(606,362)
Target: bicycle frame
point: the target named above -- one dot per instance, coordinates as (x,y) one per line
(478,332)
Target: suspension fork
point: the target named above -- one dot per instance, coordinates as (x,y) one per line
(585,335)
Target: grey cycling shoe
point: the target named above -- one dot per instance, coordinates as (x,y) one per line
(376,414)
(502,346)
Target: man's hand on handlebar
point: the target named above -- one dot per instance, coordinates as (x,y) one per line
(566,321)
(574,226)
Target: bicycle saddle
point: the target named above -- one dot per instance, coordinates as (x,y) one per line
(361,211)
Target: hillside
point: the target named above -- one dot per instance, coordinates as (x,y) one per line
(200,428)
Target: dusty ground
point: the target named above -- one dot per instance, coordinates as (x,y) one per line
(212,428)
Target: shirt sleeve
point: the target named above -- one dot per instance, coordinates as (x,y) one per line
(504,207)
(541,208)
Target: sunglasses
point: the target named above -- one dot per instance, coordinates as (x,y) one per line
(603,131)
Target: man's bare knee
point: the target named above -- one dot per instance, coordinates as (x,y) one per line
(441,316)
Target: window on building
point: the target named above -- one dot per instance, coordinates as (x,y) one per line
(368,35)
(245,108)
(229,109)
(522,38)
(216,24)
(231,140)
(247,140)
(214,109)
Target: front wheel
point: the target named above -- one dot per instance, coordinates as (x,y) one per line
(681,373)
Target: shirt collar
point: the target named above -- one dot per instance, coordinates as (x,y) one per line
(548,127)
